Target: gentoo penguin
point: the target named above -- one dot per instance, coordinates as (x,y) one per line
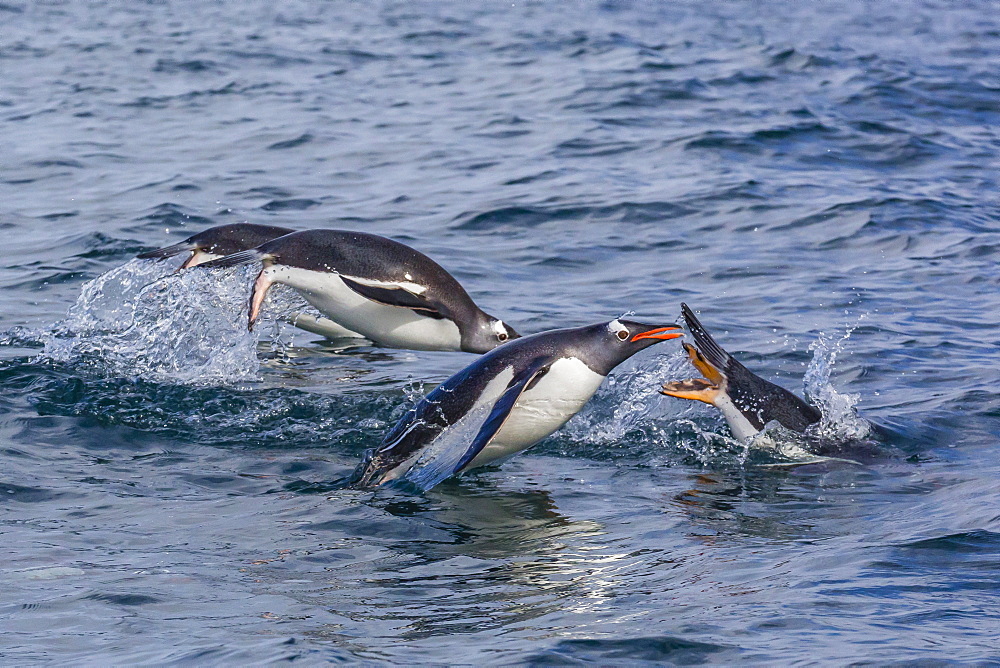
(388,292)
(512,397)
(222,240)
(216,242)
(747,401)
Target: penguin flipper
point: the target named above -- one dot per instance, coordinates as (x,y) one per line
(234,260)
(185,246)
(391,295)
(501,410)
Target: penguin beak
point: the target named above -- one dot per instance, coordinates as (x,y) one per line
(661,333)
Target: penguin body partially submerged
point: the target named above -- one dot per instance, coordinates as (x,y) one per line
(517,394)
(747,401)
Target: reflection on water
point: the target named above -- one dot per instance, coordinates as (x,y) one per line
(722,505)
(470,558)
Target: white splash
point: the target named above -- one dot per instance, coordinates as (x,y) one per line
(142,320)
(628,400)
(840,419)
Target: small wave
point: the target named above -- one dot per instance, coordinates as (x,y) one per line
(654,650)
(269,58)
(529,217)
(978,541)
(586,148)
(170,215)
(764,139)
(296,204)
(165,101)
(304,138)
(172,66)
(792,59)
(20,337)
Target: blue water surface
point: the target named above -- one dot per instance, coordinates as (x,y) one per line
(818,180)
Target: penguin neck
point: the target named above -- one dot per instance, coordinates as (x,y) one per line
(475,326)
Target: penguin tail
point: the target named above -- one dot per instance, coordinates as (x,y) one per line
(370,473)
(710,351)
(236,259)
(168,251)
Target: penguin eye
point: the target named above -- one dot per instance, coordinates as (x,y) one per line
(622,334)
(502,336)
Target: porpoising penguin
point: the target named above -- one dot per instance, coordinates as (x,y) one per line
(380,288)
(510,399)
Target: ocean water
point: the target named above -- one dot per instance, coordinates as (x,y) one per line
(818,180)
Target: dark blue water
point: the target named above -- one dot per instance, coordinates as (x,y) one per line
(819,180)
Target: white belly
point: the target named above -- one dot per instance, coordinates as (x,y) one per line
(738,423)
(538,412)
(322,326)
(391,326)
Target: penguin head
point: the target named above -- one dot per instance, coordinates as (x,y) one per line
(606,345)
(485,334)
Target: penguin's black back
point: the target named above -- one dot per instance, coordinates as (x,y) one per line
(762,401)
(455,397)
(229,239)
(369,256)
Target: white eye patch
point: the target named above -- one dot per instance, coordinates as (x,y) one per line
(618,329)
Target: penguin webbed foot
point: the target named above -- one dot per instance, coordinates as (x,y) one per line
(695,389)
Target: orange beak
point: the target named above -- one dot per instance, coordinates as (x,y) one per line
(663,333)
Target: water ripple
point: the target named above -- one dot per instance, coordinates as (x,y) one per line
(818,180)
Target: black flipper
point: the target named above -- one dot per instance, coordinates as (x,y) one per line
(185,246)
(234,260)
(398,297)
(501,410)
